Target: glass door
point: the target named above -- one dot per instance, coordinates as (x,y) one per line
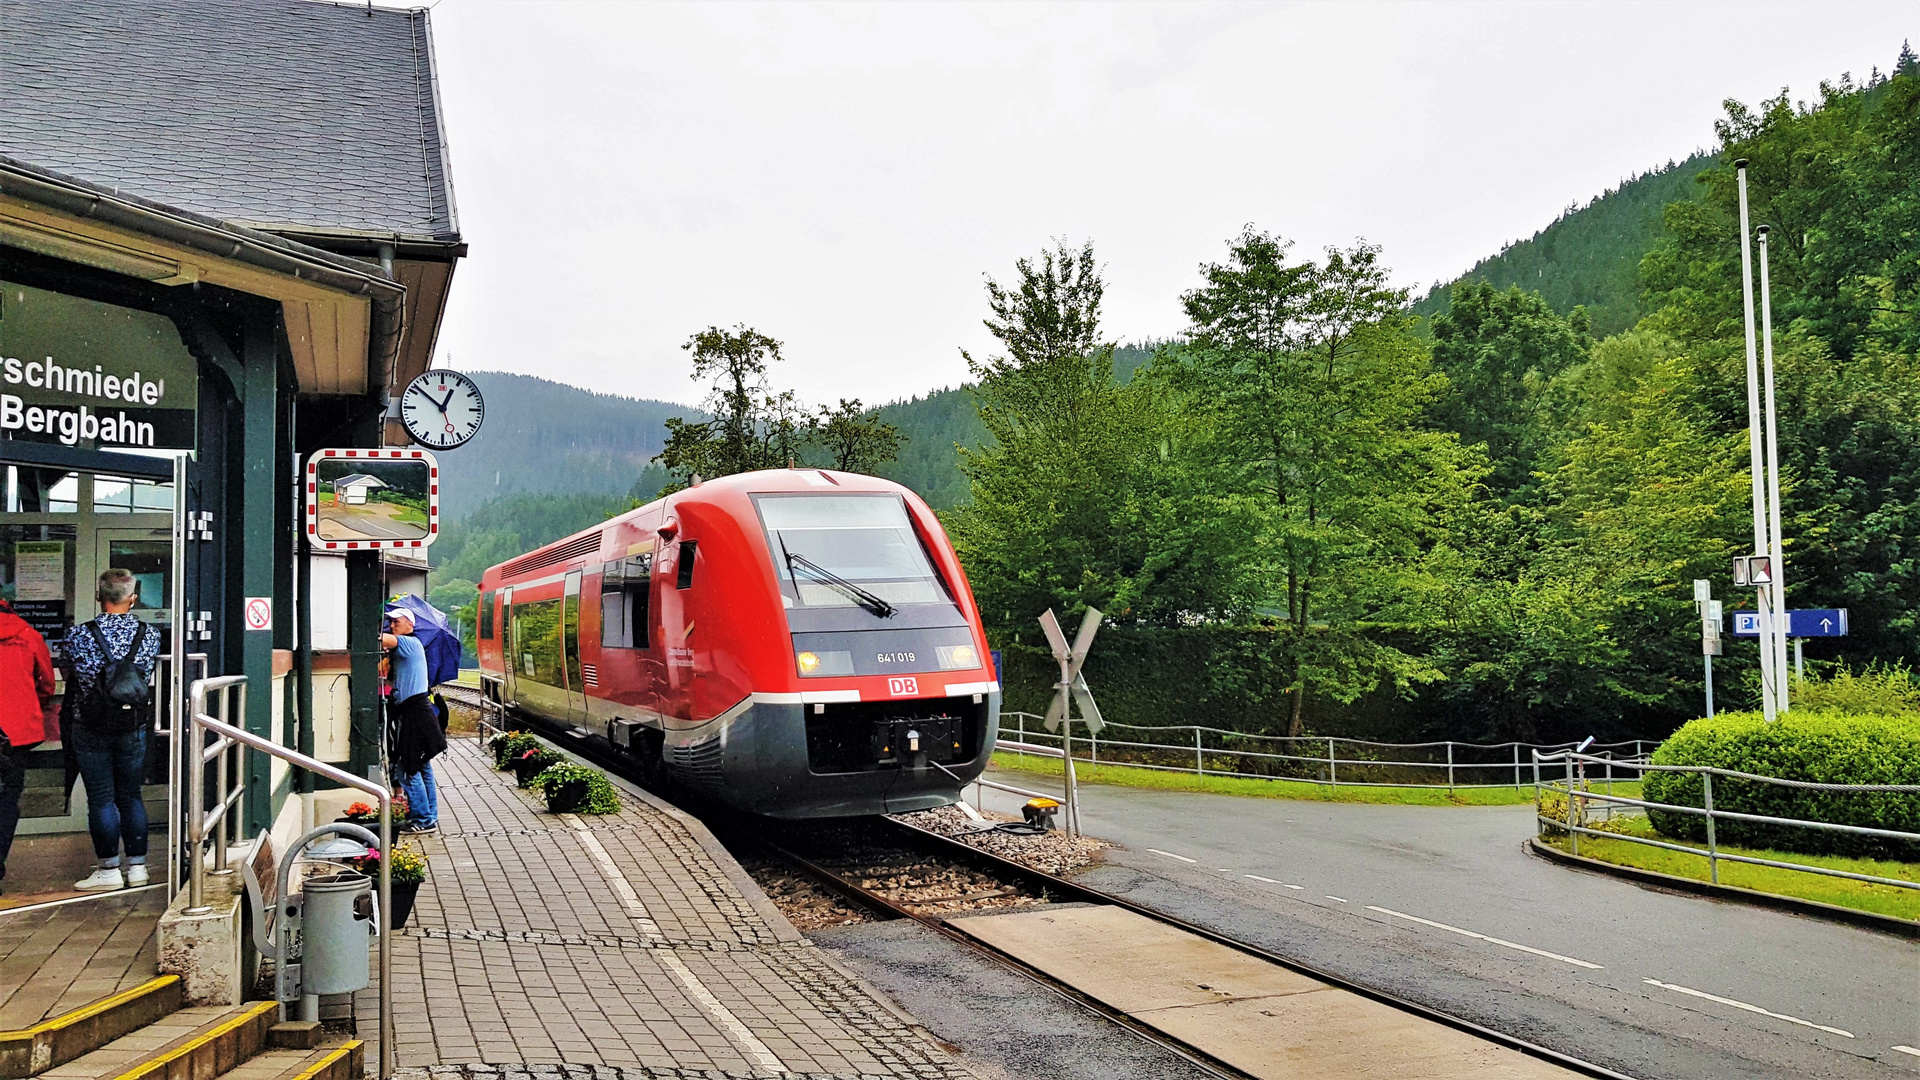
(570,642)
(148,555)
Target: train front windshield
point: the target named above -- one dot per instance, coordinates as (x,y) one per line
(847,551)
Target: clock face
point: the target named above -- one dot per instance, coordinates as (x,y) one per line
(442,409)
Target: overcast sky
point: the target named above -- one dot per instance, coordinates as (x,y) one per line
(840,176)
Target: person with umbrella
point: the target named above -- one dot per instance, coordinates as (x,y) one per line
(417,735)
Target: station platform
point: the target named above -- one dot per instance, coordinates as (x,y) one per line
(549,945)
(58,957)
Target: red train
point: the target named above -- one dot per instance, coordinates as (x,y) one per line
(795,642)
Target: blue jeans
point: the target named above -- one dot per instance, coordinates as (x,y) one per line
(113,767)
(423,802)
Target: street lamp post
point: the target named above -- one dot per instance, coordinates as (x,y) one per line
(1776,549)
(1769,681)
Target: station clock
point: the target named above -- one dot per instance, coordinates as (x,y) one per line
(442,409)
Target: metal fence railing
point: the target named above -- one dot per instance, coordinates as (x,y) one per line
(1314,759)
(1580,811)
(214,740)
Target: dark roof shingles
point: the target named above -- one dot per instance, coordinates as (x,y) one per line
(272,113)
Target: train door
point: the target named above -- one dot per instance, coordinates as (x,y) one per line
(570,646)
(509,631)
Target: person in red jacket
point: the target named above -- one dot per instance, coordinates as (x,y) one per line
(26,700)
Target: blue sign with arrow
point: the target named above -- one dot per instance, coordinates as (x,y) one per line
(1813,622)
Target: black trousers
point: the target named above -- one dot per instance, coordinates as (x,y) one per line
(13,781)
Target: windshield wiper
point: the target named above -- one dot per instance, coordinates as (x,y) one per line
(837,583)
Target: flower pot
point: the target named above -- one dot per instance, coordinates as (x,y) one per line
(401,895)
(567,798)
(526,768)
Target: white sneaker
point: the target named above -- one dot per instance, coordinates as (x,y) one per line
(106,878)
(136,875)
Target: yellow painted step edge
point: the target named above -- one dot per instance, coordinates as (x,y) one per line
(68,1019)
(345,1049)
(147,1067)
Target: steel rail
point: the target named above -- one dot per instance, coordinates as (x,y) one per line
(887,908)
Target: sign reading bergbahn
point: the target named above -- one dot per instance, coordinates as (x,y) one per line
(82,373)
(364,500)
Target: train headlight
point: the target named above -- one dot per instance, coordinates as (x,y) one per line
(957,656)
(824,662)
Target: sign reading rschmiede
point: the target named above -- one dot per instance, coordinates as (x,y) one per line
(83,373)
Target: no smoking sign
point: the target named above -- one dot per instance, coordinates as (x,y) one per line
(259,612)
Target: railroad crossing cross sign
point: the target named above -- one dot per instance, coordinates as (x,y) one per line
(1072,681)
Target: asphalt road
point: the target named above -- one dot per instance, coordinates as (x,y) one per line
(1583,963)
(1001,1024)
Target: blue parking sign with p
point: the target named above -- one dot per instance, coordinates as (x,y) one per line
(1812,622)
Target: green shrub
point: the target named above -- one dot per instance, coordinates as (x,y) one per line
(1882,690)
(509,745)
(1821,747)
(576,789)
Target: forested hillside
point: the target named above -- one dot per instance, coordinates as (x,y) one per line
(1316,512)
(548,437)
(1590,256)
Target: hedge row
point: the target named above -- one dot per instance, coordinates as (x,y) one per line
(1821,747)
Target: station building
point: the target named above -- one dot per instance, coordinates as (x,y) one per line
(227,236)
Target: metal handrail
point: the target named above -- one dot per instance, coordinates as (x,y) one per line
(1577,799)
(1341,739)
(1330,759)
(228,737)
(166,706)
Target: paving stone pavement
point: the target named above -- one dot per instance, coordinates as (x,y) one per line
(55,959)
(556,947)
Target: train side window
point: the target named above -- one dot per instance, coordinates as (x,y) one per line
(685,579)
(486,616)
(625,592)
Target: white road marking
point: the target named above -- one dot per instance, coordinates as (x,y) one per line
(637,911)
(1908,1050)
(1485,938)
(1337,899)
(1171,855)
(1226,869)
(1270,881)
(1750,1008)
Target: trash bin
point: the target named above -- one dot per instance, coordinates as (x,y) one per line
(336,926)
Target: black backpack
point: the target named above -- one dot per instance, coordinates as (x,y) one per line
(117,702)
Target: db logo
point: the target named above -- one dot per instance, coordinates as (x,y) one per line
(899,687)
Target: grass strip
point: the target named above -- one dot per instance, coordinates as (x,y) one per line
(1126,776)
(1860,895)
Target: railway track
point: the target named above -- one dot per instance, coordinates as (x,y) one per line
(890,869)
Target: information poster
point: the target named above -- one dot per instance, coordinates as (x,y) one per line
(40,570)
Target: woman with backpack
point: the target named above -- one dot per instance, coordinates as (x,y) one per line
(110,664)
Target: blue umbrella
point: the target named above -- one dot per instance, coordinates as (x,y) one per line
(436,637)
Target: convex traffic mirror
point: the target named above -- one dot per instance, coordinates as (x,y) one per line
(359,499)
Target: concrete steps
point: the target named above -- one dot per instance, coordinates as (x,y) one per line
(346,1061)
(198,1043)
(61,1039)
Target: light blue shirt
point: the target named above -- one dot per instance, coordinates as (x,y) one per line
(409,668)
